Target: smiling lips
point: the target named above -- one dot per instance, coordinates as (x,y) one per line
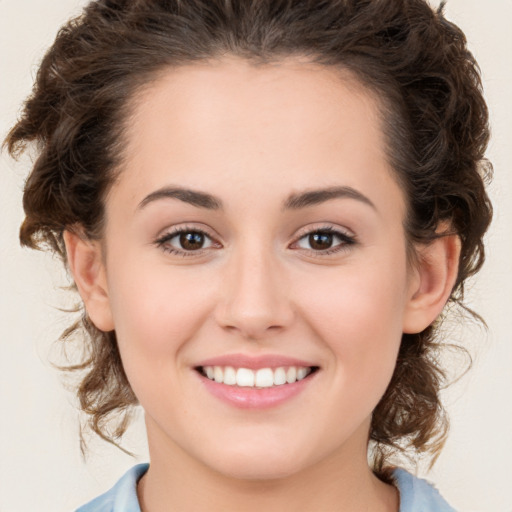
(260,382)
(262,378)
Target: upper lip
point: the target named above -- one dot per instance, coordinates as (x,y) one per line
(254,362)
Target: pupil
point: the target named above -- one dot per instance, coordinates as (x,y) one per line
(191,241)
(320,240)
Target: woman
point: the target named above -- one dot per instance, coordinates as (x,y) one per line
(265,207)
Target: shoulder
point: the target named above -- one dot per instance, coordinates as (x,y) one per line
(122,497)
(418,495)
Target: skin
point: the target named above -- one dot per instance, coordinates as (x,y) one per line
(251,137)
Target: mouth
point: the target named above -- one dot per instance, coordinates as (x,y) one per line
(256,382)
(261,378)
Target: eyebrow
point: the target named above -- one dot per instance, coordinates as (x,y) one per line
(314,197)
(193,197)
(293,202)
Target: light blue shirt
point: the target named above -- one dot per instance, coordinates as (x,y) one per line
(416,495)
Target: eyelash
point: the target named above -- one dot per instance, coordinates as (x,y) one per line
(346,241)
(163,241)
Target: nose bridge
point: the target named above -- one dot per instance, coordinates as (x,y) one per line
(255,299)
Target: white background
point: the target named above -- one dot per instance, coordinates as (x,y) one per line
(40,464)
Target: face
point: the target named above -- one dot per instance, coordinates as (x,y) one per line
(255,237)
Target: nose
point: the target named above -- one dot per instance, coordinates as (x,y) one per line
(255,297)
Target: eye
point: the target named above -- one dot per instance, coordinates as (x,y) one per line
(185,241)
(325,241)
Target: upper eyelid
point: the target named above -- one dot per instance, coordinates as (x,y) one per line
(301,232)
(176,230)
(324,227)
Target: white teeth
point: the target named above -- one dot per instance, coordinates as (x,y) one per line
(218,374)
(262,378)
(279,377)
(291,374)
(301,373)
(229,376)
(245,378)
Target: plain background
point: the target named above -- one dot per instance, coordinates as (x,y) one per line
(40,464)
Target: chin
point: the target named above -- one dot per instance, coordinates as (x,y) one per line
(259,463)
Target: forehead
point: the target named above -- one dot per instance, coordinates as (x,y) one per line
(222,122)
(305,98)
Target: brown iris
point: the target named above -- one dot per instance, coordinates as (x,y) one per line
(320,240)
(192,240)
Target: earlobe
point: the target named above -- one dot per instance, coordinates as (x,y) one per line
(88,271)
(436,273)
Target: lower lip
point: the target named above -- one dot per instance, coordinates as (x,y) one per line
(256,398)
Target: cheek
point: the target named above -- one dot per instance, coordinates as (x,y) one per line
(359,315)
(156,309)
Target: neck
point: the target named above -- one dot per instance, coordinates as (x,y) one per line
(340,482)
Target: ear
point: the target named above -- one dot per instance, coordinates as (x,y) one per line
(434,277)
(88,270)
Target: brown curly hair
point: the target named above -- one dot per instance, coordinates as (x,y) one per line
(432,109)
